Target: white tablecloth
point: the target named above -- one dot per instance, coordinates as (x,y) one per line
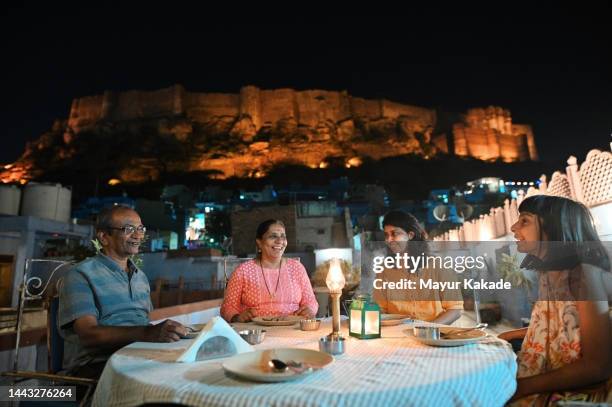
(395,370)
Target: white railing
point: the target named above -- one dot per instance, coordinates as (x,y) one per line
(589,183)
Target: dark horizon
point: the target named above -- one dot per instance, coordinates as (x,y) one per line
(550,66)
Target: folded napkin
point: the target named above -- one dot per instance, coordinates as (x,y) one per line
(217,339)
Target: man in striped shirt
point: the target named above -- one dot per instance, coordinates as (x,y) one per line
(105,300)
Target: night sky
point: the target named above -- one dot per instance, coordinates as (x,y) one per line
(551,65)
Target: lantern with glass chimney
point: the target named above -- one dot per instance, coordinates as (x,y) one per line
(364,318)
(335,282)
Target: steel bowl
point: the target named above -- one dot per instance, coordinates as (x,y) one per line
(332,346)
(253,336)
(310,324)
(426,332)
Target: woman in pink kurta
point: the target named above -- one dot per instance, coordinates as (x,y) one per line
(269,284)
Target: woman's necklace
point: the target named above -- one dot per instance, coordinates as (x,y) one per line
(272,295)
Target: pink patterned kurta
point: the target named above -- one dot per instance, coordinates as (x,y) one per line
(247,289)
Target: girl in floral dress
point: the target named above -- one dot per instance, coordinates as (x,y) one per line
(567,348)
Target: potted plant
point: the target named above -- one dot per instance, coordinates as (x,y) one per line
(514,302)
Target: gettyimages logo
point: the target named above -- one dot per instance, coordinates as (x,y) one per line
(413,263)
(544,270)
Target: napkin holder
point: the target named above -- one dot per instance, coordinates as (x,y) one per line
(216,340)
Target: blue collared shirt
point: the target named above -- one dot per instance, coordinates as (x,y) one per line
(99,287)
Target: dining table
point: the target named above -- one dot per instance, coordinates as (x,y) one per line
(394,370)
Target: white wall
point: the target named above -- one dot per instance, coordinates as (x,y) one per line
(9,242)
(307,232)
(192,269)
(603,220)
(200,317)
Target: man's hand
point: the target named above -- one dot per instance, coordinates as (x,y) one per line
(245,316)
(167,331)
(304,311)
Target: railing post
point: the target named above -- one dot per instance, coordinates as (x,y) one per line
(156,297)
(224,272)
(543,184)
(181,285)
(20,306)
(574,179)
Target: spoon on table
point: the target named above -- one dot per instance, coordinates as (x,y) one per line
(478,327)
(278,366)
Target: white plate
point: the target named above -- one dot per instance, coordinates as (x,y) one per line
(272,320)
(392,319)
(459,339)
(254,365)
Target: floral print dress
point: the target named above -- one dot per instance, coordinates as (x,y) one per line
(553,337)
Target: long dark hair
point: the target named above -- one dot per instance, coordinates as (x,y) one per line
(569,226)
(409,223)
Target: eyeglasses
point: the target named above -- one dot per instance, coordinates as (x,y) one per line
(131,229)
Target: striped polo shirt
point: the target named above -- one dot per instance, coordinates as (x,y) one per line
(99,287)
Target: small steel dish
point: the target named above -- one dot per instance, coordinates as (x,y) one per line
(310,324)
(253,336)
(332,346)
(426,332)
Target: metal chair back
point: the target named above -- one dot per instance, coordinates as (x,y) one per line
(41,279)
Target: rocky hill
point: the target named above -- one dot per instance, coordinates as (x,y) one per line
(139,136)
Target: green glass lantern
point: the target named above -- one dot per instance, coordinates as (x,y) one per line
(364,318)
